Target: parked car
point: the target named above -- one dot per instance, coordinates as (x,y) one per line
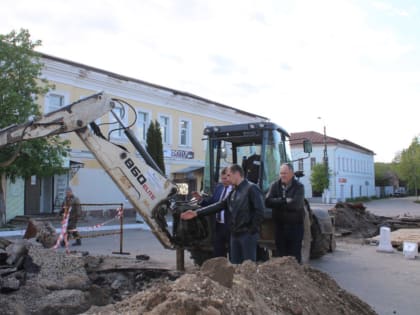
(399,192)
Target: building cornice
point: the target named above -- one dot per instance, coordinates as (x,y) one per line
(87,77)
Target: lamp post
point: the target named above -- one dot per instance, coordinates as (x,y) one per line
(325,159)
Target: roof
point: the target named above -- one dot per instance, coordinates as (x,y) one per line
(296,138)
(126,78)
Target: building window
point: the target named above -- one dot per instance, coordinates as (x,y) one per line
(300,165)
(143,121)
(116,131)
(165,129)
(313,162)
(54,101)
(185,132)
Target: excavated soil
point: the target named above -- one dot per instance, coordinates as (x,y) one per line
(352,219)
(52,282)
(279,286)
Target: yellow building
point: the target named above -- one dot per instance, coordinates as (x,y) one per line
(182,117)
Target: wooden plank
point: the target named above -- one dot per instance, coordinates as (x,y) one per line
(401,235)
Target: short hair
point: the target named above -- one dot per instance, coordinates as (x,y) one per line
(224,170)
(289,166)
(236,168)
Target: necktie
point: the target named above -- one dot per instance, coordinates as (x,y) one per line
(220,215)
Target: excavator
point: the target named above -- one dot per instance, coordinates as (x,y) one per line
(262,147)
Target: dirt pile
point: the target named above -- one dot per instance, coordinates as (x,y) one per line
(278,286)
(36,280)
(353,219)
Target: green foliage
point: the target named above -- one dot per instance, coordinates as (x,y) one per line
(408,168)
(20,86)
(155,145)
(384,174)
(320,177)
(359,199)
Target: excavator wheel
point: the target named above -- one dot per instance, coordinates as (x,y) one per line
(320,242)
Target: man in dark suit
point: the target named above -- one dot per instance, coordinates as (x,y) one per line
(221,231)
(246,206)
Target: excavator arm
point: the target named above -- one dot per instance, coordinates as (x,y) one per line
(136,175)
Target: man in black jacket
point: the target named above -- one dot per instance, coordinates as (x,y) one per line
(246,205)
(286,198)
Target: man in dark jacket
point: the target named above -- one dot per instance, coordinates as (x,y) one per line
(246,206)
(286,198)
(72,204)
(221,228)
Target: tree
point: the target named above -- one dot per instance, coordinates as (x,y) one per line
(408,167)
(385,174)
(20,86)
(155,145)
(320,179)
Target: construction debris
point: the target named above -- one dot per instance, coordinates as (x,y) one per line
(353,219)
(35,280)
(45,281)
(43,232)
(278,286)
(400,236)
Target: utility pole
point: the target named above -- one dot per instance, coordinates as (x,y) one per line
(325,159)
(325,149)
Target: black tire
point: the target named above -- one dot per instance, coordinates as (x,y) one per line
(320,242)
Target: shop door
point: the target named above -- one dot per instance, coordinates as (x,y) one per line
(32,195)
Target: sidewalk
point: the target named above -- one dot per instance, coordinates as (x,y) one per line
(87,224)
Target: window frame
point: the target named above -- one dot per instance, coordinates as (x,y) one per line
(65,100)
(139,111)
(119,136)
(188,135)
(169,129)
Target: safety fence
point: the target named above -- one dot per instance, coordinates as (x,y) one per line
(93,230)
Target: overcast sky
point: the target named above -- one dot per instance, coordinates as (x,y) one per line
(355,63)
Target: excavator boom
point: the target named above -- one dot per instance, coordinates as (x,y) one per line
(139,179)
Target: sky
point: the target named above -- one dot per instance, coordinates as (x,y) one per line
(353,63)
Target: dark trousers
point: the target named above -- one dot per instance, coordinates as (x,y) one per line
(243,247)
(289,240)
(221,240)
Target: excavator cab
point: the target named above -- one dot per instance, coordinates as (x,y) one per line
(260,148)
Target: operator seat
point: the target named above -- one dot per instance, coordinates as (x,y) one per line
(251,166)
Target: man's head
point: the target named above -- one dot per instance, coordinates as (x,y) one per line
(224,176)
(236,174)
(69,192)
(286,173)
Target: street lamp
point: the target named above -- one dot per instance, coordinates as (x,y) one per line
(325,158)
(325,145)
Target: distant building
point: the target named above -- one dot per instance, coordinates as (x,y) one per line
(352,171)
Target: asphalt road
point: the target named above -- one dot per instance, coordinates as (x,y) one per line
(387,281)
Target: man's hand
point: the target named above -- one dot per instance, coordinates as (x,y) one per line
(196,195)
(188,215)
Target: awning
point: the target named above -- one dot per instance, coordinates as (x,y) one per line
(76,164)
(189,169)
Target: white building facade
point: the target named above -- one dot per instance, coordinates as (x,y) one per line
(351,166)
